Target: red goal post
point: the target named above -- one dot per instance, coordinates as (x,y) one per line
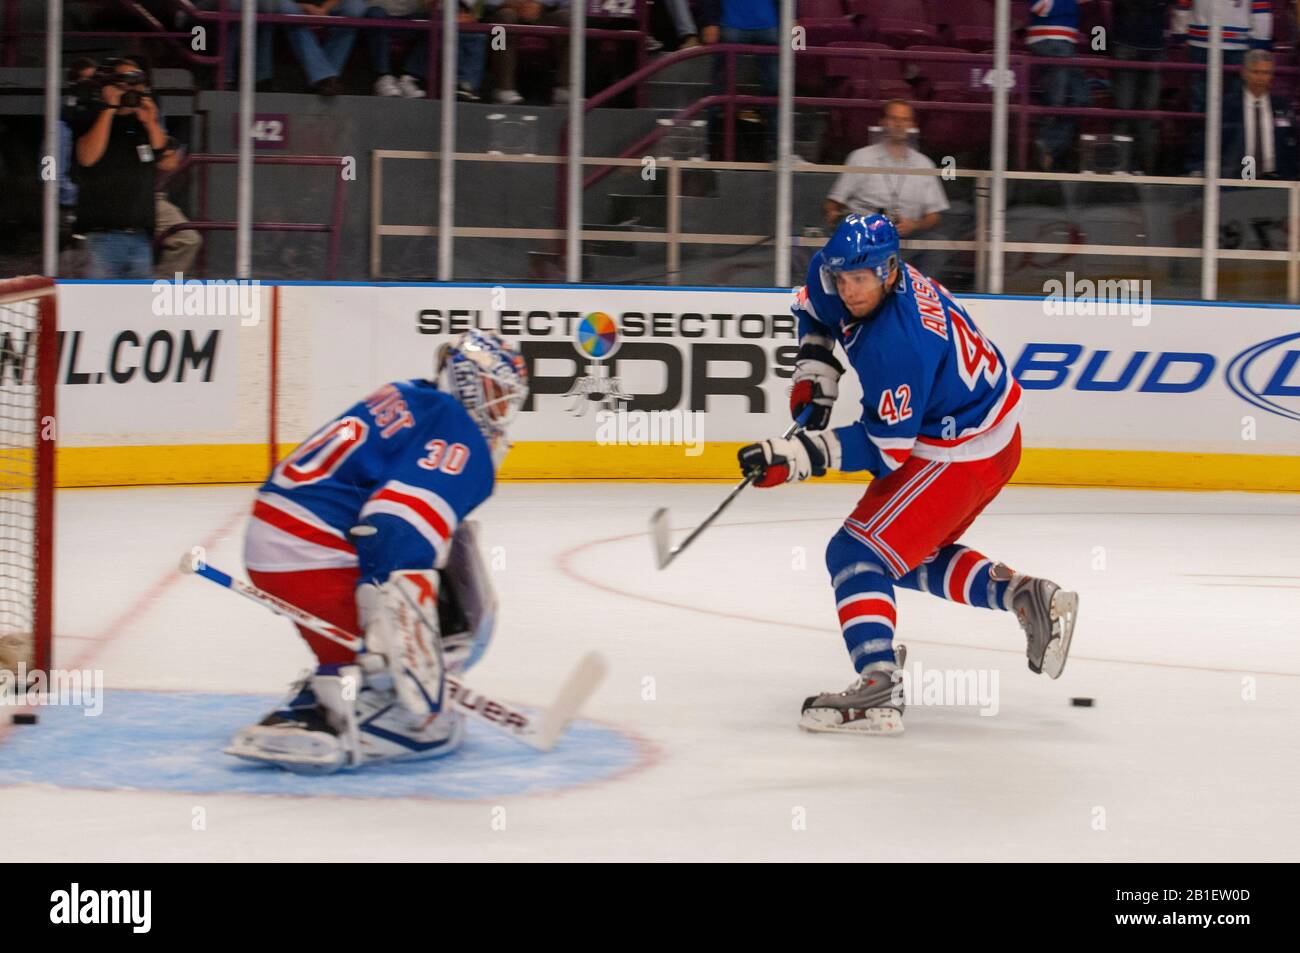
(29,354)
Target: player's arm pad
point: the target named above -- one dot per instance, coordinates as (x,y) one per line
(400,617)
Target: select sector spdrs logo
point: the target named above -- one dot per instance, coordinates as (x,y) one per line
(597,335)
(100,907)
(1267,373)
(596,340)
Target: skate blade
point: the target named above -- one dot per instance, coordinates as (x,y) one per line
(874,721)
(1064,609)
(292,752)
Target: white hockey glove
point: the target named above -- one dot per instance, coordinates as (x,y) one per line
(400,618)
(771,462)
(815,383)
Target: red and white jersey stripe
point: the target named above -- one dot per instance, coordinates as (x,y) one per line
(1036,34)
(893,450)
(283,536)
(982,441)
(430,515)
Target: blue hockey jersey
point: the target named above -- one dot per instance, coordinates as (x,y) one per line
(932,385)
(408,460)
(1053,20)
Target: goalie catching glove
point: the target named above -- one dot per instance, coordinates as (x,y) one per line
(815,383)
(782,460)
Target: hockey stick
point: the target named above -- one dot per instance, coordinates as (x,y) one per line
(659,518)
(540,732)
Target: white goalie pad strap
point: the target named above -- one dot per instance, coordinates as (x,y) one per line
(337,694)
(401,621)
(467,577)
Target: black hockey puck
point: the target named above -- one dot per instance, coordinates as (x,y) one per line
(24,718)
(1081,702)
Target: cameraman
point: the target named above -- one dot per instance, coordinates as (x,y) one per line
(119,142)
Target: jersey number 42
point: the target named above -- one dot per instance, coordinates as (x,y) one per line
(975,356)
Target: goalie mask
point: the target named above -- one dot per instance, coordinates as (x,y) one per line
(490,380)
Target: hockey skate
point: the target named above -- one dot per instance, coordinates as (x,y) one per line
(320,730)
(1046,612)
(870,706)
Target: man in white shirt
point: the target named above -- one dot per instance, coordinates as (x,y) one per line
(912,201)
(1256,126)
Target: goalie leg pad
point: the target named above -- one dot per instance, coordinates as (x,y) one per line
(401,621)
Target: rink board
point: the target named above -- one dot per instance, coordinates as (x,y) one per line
(161,384)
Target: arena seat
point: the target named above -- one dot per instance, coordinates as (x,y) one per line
(967,24)
(897,23)
(825,31)
(820,9)
(948,80)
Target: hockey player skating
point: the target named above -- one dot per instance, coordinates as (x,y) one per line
(939,432)
(363,526)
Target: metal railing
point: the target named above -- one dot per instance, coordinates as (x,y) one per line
(224,21)
(1021,65)
(203,161)
(673,238)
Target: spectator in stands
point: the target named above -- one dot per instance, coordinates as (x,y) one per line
(178,250)
(81,73)
(912,201)
(1245,25)
(742,21)
(321,62)
(470,58)
(1259,125)
(683,23)
(1138,33)
(1054,31)
(504,62)
(117,150)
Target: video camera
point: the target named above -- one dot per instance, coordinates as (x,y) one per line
(88,92)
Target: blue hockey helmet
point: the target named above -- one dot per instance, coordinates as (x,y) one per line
(487,376)
(861,242)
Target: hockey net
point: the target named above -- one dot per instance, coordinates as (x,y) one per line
(28,370)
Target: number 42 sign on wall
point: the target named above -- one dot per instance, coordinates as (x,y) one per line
(270,130)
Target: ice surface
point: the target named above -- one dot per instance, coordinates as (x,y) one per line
(1189,639)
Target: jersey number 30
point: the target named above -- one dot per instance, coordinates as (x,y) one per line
(975,356)
(450,460)
(322,455)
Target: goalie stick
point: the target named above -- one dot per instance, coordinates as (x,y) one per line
(664,554)
(539,732)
